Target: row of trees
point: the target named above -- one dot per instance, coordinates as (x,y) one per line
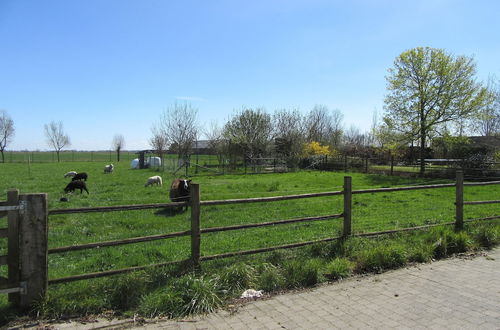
(55,136)
(431,93)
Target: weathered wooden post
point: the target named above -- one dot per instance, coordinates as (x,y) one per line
(13,244)
(33,247)
(459,200)
(347,206)
(195,223)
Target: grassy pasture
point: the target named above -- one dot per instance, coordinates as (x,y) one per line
(371,212)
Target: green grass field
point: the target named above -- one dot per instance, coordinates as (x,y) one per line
(371,212)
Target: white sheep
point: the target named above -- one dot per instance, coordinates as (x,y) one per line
(70,174)
(108,168)
(153,180)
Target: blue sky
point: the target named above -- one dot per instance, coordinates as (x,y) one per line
(106,67)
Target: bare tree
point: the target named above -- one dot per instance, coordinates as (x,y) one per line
(487,122)
(6,131)
(324,126)
(118,144)
(179,125)
(216,141)
(354,141)
(159,142)
(56,137)
(288,134)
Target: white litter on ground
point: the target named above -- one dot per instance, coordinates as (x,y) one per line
(251,293)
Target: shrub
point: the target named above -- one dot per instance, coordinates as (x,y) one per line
(270,278)
(339,268)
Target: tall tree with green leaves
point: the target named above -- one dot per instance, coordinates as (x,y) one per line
(427,88)
(249,133)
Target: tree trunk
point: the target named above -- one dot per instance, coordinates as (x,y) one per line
(422,144)
(58,160)
(3,157)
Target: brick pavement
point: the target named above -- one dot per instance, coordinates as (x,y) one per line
(458,293)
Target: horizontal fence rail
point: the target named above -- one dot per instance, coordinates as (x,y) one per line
(184,233)
(117,208)
(268,199)
(481,202)
(118,242)
(377,190)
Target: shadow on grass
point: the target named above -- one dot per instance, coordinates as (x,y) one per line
(170,212)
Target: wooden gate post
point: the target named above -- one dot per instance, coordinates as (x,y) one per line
(459,200)
(13,244)
(195,223)
(33,247)
(347,206)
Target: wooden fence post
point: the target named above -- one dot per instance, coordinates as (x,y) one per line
(347,206)
(195,223)
(459,200)
(33,247)
(13,244)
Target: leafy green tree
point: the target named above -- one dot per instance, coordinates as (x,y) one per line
(428,88)
(249,132)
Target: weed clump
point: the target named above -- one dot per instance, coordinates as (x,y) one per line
(270,278)
(236,278)
(380,258)
(339,268)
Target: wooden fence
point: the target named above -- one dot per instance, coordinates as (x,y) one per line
(28,218)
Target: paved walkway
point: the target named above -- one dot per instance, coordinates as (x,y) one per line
(459,293)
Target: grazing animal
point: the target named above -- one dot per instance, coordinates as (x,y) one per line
(108,168)
(153,180)
(73,185)
(80,176)
(70,174)
(179,190)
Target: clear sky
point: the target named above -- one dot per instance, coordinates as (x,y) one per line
(106,67)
